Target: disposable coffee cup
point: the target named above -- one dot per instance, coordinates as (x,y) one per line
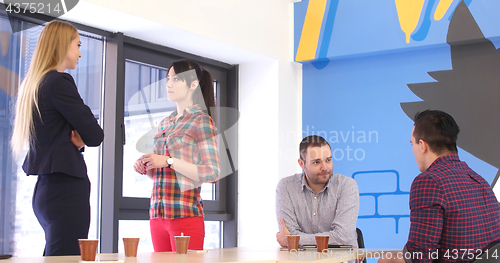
(181,244)
(130,245)
(322,243)
(88,249)
(292,242)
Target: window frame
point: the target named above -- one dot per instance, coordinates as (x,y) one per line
(133,208)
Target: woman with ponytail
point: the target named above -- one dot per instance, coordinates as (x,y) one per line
(54,123)
(185,156)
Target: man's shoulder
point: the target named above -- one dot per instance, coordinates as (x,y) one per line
(443,170)
(427,183)
(291,181)
(295,178)
(426,176)
(342,179)
(443,175)
(447,165)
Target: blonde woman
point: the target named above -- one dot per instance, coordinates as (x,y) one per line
(186,155)
(55,124)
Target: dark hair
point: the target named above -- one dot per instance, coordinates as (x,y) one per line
(206,91)
(311,141)
(438,129)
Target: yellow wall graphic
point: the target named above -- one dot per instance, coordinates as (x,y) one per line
(310,31)
(441,9)
(409,14)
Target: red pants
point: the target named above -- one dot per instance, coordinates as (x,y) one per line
(164,230)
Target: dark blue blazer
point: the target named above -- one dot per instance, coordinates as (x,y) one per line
(61,111)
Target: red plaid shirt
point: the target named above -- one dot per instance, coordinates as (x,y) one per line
(192,139)
(453,212)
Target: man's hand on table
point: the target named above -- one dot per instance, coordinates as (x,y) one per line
(281,236)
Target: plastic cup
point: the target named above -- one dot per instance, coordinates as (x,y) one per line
(292,242)
(322,243)
(130,244)
(88,249)
(181,244)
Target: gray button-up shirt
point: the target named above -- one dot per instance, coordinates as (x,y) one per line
(333,211)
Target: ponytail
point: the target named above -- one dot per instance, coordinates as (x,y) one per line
(207,89)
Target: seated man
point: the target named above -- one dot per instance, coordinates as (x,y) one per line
(454,213)
(317,201)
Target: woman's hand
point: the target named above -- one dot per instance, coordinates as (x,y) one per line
(155,161)
(76,139)
(139,166)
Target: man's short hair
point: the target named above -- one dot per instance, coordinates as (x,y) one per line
(311,141)
(438,129)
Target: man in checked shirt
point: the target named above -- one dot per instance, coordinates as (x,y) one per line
(454,213)
(317,201)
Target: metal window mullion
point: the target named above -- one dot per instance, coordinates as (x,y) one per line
(112,167)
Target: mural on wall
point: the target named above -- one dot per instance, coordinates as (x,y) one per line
(411,12)
(317,11)
(473,81)
(369,67)
(316,32)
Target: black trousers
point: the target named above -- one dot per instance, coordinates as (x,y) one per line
(61,205)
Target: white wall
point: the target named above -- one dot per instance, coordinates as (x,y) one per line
(257,35)
(258,153)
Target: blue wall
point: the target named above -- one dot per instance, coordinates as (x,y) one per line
(356,87)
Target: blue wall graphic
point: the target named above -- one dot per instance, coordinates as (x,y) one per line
(354,91)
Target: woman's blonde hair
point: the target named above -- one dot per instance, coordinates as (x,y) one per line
(50,52)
